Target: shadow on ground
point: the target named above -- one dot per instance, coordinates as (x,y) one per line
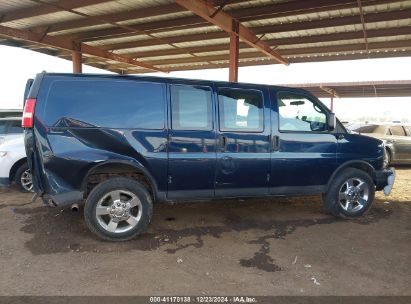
(178,227)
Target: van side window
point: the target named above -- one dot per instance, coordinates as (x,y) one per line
(240,110)
(298,113)
(191,107)
(397,131)
(105,103)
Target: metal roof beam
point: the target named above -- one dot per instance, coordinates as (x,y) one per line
(68,44)
(243,14)
(159,10)
(330,91)
(47,8)
(282,41)
(326,57)
(289,52)
(275,28)
(364,28)
(164,9)
(226,23)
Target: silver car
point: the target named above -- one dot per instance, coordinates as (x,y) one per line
(397,139)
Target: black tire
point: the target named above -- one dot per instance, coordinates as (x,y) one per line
(387,157)
(18,179)
(331,199)
(103,189)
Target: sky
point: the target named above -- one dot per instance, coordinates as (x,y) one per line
(17,65)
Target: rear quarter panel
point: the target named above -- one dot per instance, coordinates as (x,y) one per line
(68,153)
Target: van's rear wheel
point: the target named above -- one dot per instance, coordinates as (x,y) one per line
(118,209)
(350,194)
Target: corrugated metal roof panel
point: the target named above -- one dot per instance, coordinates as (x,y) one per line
(248,55)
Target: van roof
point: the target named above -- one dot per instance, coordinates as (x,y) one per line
(160,78)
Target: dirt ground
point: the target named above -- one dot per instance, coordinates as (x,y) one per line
(273,246)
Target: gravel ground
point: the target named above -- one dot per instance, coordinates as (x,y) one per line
(276,246)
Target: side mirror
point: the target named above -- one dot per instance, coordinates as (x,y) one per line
(332,121)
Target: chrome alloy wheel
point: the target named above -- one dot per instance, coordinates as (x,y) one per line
(119,211)
(353,195)
(26,180)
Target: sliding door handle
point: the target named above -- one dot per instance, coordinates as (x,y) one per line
(223,142)
(275,142)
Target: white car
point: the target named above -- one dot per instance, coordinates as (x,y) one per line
(13,160)
(10,127)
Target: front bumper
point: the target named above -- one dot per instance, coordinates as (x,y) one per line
(384,180)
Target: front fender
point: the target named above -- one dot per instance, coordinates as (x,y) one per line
(358,164)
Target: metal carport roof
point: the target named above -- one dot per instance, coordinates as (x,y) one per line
(138,36)
(393,88)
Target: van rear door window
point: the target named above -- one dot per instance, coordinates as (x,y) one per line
(105,103)
(191,107)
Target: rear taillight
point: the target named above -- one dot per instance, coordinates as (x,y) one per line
(28,113)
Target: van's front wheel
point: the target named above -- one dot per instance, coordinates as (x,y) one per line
(118,209)
(350,194)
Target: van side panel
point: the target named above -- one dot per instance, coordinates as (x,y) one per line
(99,130)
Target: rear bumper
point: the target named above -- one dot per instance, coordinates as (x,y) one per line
(63,199)
(384,180)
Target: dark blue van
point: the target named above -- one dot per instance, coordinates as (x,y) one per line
(123,142)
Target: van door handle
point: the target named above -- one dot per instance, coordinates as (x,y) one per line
(275,142)
(223,142)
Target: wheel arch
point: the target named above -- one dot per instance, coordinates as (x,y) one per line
(111,168)
(15,167)
(356,164)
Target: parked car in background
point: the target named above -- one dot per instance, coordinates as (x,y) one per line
(397,139)
(10,113)
(13,160)
(10,127)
